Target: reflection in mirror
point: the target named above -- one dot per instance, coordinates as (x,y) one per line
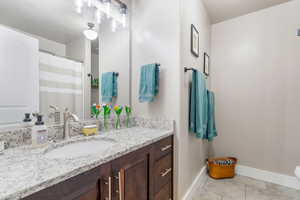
(52,61)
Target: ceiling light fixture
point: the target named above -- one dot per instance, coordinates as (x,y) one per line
(113,9)
(90,33)
(107,4)
(123,11)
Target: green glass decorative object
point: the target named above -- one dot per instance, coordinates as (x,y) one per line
(106,115)
(128,111)
(96,110)
(118,110)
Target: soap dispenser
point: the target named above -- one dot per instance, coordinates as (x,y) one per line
(27,120)
(39,132)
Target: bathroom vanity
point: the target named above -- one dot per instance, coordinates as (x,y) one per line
(133,164)
(140,175)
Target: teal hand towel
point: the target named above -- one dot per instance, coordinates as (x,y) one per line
(211,124)
(149,83)
(109,86)
(198,106)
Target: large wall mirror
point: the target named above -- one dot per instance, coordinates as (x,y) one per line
(57,54)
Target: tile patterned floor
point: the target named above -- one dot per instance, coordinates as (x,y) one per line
(243,188)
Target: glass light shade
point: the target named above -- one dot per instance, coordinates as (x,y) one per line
(113,25)
(78,10)
(98,16)
(89,3)
(124,20)
(107,7)
(79,5)
(90,34)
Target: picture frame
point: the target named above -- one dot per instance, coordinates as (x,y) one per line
(206,64)
(194,41)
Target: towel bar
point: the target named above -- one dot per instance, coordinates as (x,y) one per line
(188,69)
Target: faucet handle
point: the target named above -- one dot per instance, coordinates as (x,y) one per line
(55,108)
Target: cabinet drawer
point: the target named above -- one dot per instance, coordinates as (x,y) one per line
(163,147)
(163,172)
(165,193)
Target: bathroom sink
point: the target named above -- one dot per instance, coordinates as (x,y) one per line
(78,149)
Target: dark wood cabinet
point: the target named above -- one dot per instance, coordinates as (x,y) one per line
(163,169)
(165,193)
(105,182)
(81,187)
(131,174)
(91,195)
(146,174)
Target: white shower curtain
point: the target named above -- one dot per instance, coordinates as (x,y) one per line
(61,84)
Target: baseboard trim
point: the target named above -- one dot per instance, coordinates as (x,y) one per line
(199,182)
(267,176)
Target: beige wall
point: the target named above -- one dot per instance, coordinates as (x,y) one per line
(255,74)
(166,40)
(193,151)
(155,38)
(114,56)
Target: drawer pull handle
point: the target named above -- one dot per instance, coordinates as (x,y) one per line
(109,188)
(121,179)
(166,148)
(166,172)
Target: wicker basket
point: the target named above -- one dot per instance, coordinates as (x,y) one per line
(218,171)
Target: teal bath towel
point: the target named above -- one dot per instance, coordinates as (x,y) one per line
(198,106)
(149,83)
(109,86)
(211,124)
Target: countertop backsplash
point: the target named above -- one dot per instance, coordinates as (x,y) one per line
(16,136)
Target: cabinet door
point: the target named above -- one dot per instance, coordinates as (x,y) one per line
(82,187)
(131,176)
(106,182)
(165,193)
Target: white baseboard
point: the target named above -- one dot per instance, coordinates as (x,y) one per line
(199,182)
(267,176)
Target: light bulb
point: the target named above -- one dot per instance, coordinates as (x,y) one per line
(78,9)
(123,11)
(107,8)
(89,3)
(124,20)
(113,26)
(79,5)
(90,33)
(98,16)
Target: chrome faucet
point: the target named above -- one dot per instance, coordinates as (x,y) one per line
(55,114)
(67,117)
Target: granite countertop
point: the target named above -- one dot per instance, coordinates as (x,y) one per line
(24,170)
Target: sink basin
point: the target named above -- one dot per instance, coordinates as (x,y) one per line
(79,149)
